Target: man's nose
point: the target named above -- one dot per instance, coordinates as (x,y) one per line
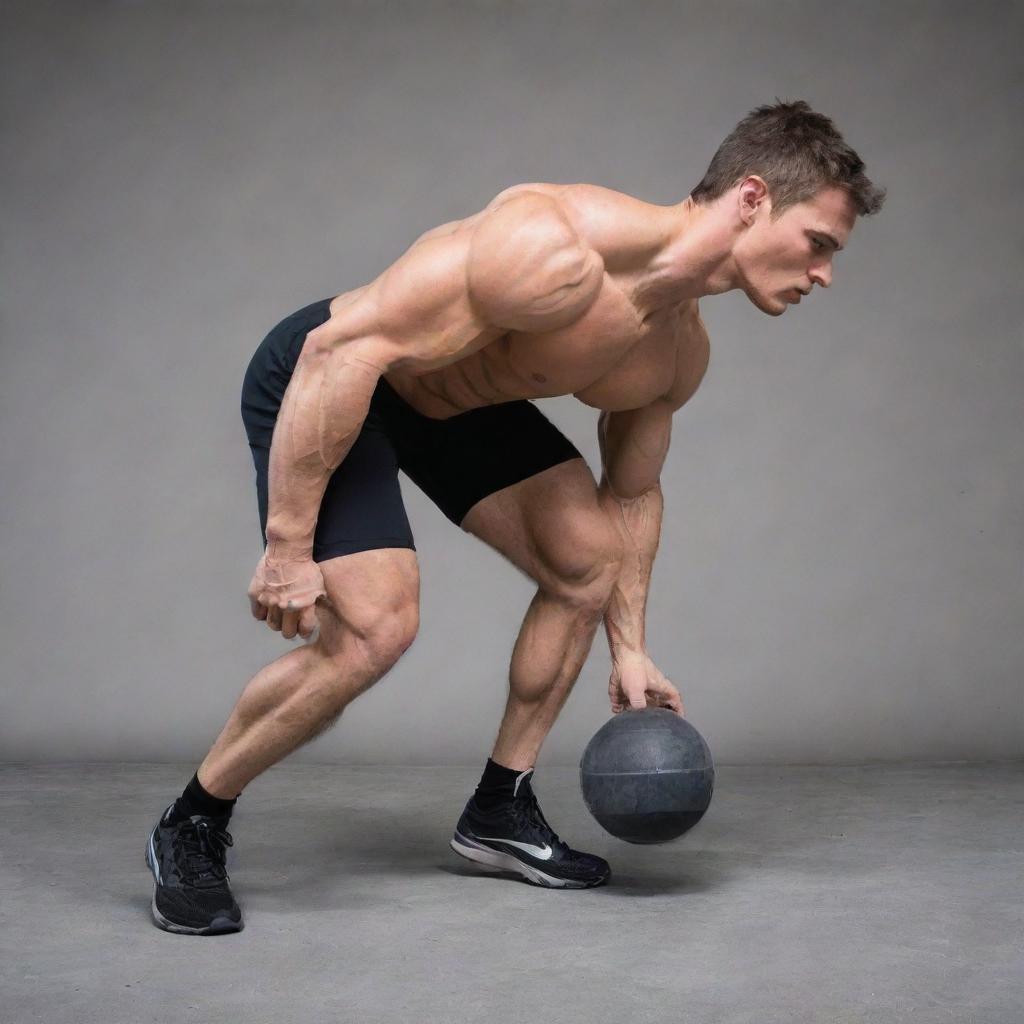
(821,276)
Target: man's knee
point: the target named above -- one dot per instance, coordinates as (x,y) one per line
(390,636)
(382,634)
(582,571)
(371,615)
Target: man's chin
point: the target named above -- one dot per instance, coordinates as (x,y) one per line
(773,307)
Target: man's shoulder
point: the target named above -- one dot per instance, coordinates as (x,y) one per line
(585,201)
(528,267)
(608,221)
(600,198)
(625,230)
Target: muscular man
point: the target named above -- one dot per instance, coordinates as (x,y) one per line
(550,290)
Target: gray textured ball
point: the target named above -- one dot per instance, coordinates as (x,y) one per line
(647,776)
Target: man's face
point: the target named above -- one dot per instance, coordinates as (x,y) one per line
(779,259)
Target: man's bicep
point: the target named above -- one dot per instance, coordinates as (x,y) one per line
(634,444)
(415,313)
(528,269)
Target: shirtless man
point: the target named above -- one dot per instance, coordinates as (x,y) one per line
(550,290)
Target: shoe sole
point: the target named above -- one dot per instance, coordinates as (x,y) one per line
(480,854)
(218,926)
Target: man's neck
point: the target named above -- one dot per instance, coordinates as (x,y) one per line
(695,260)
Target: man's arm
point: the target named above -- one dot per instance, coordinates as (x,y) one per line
(633,449)
(634,444)
(321,413)
(324,406)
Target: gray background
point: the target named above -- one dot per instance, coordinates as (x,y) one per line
(840,577)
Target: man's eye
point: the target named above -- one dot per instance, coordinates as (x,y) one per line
(818,243)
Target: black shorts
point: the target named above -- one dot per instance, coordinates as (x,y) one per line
(455,462)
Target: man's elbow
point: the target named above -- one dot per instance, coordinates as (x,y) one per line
(374,351)
(629,489)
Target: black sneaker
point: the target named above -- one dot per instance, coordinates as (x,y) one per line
(516,837)
(187,860)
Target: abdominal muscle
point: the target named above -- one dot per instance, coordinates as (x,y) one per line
(488,377)
(608,359)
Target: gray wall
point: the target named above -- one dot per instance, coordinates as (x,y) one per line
(840,577)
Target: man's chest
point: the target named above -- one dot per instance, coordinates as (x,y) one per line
(644,371)
(616,359)
(612,357)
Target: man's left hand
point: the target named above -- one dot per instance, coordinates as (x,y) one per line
(636,682)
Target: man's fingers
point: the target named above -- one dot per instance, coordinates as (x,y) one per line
(670,700)
(289,625)
(288,622)
(675,701)
(307,623)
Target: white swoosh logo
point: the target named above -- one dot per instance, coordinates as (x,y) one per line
(540,852)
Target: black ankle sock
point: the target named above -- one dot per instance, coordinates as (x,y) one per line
(498,785)
(195,800)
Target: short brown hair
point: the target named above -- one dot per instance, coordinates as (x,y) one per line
(797,152)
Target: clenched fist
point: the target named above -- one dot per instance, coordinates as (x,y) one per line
(284,593)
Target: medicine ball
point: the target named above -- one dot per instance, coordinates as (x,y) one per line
(647,775)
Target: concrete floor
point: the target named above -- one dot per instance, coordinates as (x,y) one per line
(882,894)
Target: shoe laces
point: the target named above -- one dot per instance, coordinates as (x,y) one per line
(201,851)
(526,812)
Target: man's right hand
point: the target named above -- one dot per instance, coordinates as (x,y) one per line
(285,592)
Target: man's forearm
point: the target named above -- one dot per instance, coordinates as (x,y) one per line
(638,521)
(321,415)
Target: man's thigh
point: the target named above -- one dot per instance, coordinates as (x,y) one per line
(550,525)
(461,461)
